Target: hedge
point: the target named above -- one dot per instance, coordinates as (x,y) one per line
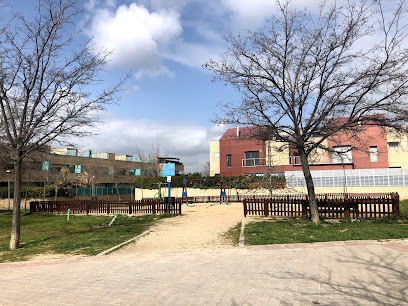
(38,192)
(235,182)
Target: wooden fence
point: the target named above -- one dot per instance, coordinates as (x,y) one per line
(330,206)
(107,207)
(230,198)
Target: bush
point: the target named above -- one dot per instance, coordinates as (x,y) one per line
(38,192)
(231,182)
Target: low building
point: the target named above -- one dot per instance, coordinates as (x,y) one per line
(107,169)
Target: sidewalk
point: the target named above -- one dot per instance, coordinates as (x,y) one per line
(352,273)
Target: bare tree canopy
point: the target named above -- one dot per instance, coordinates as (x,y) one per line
(47,72)
(302,71)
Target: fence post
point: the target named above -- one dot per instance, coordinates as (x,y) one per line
(304,208)
(154,207)
(108,208)
(266,203)
(130,207)
(245,207)
(179,204)
(346,208)
(395,206)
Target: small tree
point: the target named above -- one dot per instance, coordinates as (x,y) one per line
(303,71)
(45,76)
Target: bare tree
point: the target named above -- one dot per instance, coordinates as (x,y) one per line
(303,71)
(45,78)
(206,169)
(114,173)
(149,160)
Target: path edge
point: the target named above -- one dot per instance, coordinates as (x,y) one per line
(241,235)
(123,243)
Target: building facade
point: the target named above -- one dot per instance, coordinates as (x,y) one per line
(239,152)
(106,169)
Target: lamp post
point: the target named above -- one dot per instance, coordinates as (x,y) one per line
(8,185)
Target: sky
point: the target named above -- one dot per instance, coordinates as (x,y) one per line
(169,99)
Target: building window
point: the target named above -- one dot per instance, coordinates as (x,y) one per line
(394,144)
(373,154)
(251,158)
(228,160)
(342,155)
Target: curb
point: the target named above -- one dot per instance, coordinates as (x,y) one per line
(241,235)
(122,244)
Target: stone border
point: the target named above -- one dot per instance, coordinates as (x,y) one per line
(241,235)
(122,244)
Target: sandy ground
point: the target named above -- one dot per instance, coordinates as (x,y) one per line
(201,226)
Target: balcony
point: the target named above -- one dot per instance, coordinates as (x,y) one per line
(322,160)
(253,162)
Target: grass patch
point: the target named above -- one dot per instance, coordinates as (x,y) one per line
(82,235)
(233,234)
(295,230)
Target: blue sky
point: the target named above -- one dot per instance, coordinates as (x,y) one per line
(169,99)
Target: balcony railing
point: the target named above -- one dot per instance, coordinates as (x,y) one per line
(295,160)
(253,162)
(321,160)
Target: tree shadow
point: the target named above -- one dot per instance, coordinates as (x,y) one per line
(363,274)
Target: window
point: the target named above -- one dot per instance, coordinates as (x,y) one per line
(122,172)
(228,160)
(251,158)
(373,154)
(217,154)
(393,144)
(342,155)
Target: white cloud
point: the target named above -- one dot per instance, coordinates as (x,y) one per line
(91,4)
(136,36)
(251,14)
(185,140)
(167,4)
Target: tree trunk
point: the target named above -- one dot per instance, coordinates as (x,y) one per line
(314,213)
(15,225)
(117,191)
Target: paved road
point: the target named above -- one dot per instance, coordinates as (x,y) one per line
(352,273)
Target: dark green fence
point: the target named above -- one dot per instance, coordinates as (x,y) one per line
(103,191)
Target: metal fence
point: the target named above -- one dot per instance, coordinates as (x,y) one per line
(351,178)
(102,191)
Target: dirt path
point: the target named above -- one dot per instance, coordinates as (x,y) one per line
(201,226)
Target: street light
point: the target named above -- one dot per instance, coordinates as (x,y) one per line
(8,185)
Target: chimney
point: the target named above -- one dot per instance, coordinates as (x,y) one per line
(237,130)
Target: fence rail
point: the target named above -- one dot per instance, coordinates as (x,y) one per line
(330,206)
(107,207)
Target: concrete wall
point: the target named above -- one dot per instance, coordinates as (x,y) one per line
(398,157)
(123,197)
(214,157)
(191,192)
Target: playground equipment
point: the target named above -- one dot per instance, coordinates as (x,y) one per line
(185,198)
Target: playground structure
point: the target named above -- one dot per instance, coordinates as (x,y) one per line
(184,198)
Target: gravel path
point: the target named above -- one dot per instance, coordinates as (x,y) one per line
(201,226)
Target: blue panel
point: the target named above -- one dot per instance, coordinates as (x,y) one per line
(45,166)
(169,169)
(78,169)
(184,194)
